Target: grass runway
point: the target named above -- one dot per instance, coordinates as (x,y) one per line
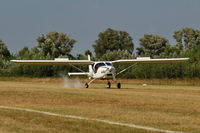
(169,107)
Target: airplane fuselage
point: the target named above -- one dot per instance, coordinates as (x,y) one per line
(103,70)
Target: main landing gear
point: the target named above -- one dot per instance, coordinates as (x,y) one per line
(118,85)
(108,84)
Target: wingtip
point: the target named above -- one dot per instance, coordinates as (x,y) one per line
(186,58)
(12,60)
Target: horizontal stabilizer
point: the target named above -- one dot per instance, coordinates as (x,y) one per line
(78,73)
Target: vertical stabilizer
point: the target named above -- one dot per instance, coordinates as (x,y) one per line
(89,58)
(90,66)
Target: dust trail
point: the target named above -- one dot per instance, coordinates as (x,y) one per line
(72,83)
(92,119)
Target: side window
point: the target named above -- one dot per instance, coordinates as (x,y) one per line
(96,67)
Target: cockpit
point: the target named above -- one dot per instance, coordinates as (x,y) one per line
(97,65)
(108,64)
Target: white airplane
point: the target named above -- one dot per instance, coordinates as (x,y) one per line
(104,70)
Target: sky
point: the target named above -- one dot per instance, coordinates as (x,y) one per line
(22,21)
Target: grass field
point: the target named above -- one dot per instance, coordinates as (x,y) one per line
(173,107)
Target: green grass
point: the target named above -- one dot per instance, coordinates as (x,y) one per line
(160,106)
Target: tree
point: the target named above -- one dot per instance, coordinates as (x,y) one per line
(5,57)
(49,46)
(187,37)
(178,37)
(171,52)
(117,54)
(111,40)
(88,52)
(152,45)
(55,44)
(24,53)
(4,52)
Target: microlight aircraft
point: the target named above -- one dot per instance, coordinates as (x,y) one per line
(104,70)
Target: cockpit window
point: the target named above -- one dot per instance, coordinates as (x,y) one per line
(108,64)
(99,65)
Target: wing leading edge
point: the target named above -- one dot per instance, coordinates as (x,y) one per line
(61,61)
(53,62)
(143,60)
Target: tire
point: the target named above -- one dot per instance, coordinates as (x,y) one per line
(86,85)
(118,85)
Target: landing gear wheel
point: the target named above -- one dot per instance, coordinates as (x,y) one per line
(86,85)
(108,85)
(118,85)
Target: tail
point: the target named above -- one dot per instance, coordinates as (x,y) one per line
(89,74)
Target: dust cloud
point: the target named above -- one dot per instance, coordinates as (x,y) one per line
(71,83)
(75,83)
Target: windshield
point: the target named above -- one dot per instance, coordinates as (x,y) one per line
(99,65)
(108,64)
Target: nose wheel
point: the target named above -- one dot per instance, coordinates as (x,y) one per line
(86,85)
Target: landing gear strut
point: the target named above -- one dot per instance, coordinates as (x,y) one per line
(108,84)
(87,84)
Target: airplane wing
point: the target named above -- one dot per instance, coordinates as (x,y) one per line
(57,61)
(148,60)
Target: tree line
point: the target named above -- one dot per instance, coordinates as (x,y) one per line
(110,45)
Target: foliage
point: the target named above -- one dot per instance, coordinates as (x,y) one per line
(4,52)
(117,54)
(111,40)
(152,45)
(55,44)
(88,52)
(187,37)
(49,46)
(111,45)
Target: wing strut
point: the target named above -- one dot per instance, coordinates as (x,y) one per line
(76,68)
(126,69)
